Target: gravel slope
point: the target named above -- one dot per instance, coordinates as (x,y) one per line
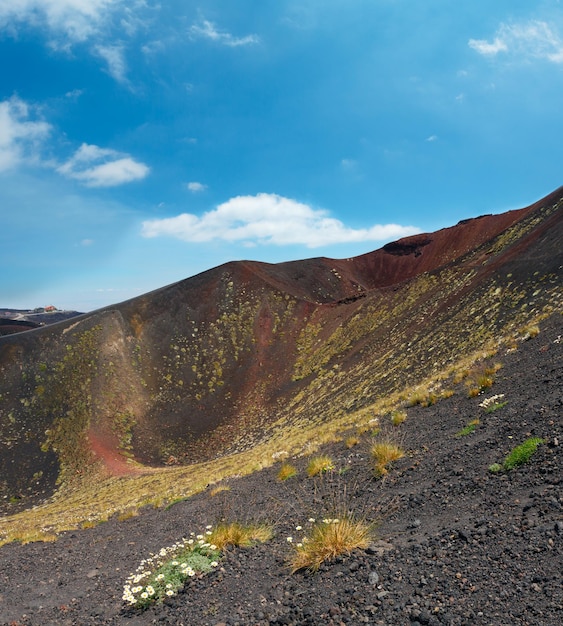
(456,543)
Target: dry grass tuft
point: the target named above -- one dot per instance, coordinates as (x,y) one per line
(383,453)
(328,539)
(239,535)
(319,465)
(352,441)
(219,489)
(287,471)
(398,417)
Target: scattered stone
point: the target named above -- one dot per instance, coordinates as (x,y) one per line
(373,577)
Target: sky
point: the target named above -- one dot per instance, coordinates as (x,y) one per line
(145,141)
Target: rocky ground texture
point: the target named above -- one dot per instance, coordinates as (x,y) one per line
(456,544)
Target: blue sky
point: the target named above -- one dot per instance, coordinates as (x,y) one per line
(144,141)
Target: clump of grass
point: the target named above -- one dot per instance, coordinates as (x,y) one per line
(467,430)
(219,489)
(480,378)
(522,453)
(533,330)
(287,471)
(163,574)
(398,417)
(495,468)
(422,397)
(319,465)
(328,539)
(352,441)
(447,393)
(383,453)
(239,535)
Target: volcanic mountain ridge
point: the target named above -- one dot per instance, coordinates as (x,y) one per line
(249,358)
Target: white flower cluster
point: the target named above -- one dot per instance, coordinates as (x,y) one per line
(487,402)
(165,572)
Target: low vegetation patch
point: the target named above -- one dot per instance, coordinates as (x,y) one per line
(467,430)
(352,441)
(494,403)
(480,378)
(398,417)
(383,453)
(239,535)
(319,465)
(327,539)
(518,456)
(287,471)
(423,397)
(522,453)
(163,574)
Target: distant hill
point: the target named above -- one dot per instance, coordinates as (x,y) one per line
(18,320)
(248,352)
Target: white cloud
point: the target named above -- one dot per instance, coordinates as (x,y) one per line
(486,48)
(114,57)
(268,219)
(20,137)
(76,19)
(208,30)
(531,40)
(196,187)
(432,138)
(102,167)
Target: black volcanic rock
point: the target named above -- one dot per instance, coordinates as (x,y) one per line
(456,544)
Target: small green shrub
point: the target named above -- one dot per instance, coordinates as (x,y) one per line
(467,430)
(522,453)
(495,467)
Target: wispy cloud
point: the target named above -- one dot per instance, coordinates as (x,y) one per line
(75,19)
(268,219)
(196,187)
(530,40)
(115,58)
(20,137)
(102,167)
(208,30)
